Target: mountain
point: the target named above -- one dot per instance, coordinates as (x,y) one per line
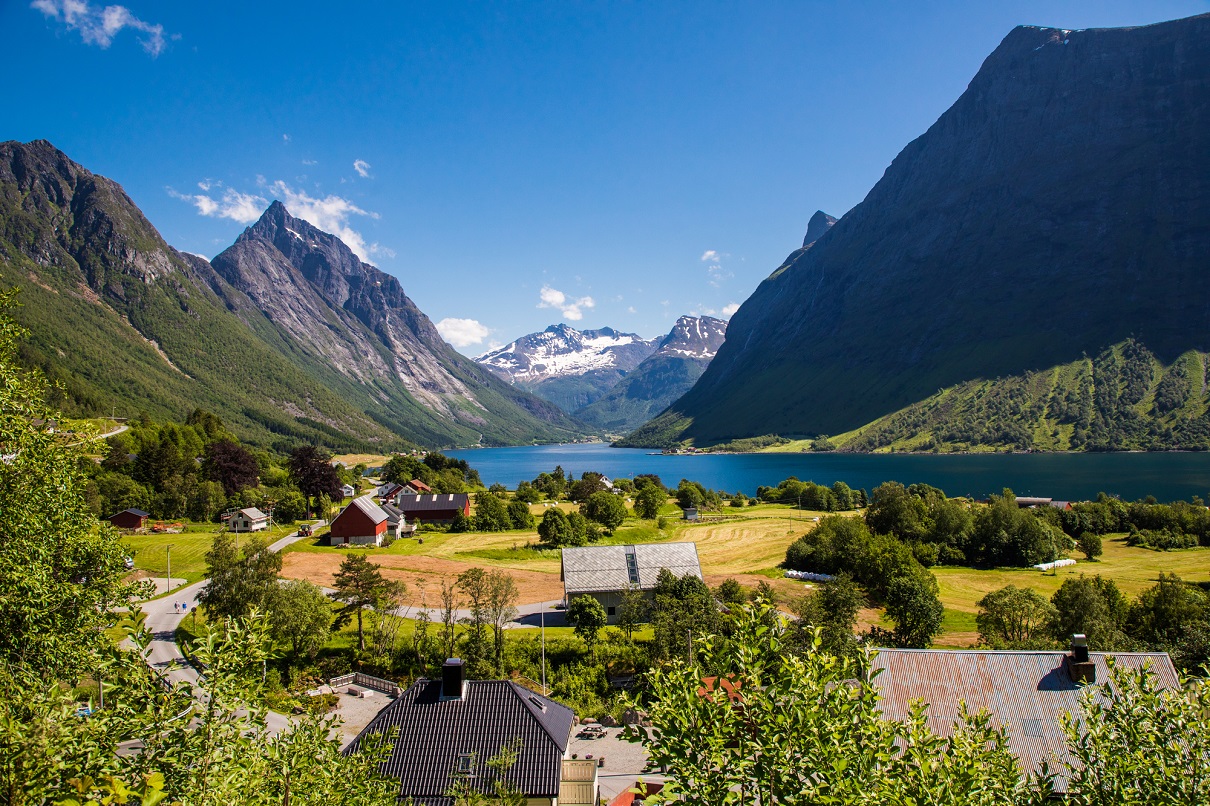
(1058,209)
(665,375)
(118,318)
(569,367)
(819,224)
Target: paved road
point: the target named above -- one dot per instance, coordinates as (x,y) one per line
(163,617)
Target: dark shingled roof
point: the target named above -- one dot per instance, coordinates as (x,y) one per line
(1026,692)
(432,734)
(431,503)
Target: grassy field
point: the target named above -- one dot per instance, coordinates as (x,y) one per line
(188,549)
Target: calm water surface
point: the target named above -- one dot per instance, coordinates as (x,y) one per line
(1078,476)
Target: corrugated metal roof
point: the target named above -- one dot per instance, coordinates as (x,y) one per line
(253,513)
(593,569)
(433,733)
(1025,692)
(426,503)
(372,511)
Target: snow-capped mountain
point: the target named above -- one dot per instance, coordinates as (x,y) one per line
(664,376)
(560,351)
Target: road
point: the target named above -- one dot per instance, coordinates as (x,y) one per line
(163,616)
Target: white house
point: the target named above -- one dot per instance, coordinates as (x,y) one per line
(249,519)
(348,490)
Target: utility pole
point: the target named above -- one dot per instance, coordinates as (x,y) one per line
(168,551)
(542,615)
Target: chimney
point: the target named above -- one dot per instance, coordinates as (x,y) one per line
(1079,666)
(453,679)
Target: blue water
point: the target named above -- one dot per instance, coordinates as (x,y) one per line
(1077,476)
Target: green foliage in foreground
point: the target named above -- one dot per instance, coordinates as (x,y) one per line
(206,750)
(810,731)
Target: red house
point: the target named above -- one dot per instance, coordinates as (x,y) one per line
(433,508)
(361,523)
(130,519)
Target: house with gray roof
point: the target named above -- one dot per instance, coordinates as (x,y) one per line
(607,572)
(1025,692)
(248,519)
(445,731)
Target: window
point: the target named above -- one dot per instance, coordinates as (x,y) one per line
(462,765)
(613,611)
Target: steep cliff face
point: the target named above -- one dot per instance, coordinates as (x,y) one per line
(665,375)
(1060,206)
(287,335)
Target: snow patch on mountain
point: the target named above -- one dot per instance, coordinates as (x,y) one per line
(563,351)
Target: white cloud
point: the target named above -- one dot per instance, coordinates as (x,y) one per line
(285,138)
(730,308)
(631,310)
(570,308)
(710,256)
(462,332)
(362,167)
(241,207)
(98,26)
(310,162)
(330,214)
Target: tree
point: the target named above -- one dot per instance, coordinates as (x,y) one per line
(689,495)
(832,609)
(1093,607)
(300,614)
(588,485)
(588,617)
(502,598)
(555,530)
(1016,618)
(449,616)
(491,514)
(61,571)
(359,584)
(1090,544)
(807,728)
(633,610)
(239,584)
(914,607)
(210,750)
(519,515)
(683,609)
(475,587)
(313,474)
(606,509)
(231,465)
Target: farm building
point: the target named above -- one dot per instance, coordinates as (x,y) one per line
(433,508)
(1024,691)
(607,572)
(348,490)
(451,728)
(249,519)
(397,522)
(361,523)
(130,519)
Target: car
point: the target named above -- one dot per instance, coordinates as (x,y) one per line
(304,530)
(129,563)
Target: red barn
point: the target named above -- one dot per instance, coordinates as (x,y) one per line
(361,523)
(130,519)
(433,508)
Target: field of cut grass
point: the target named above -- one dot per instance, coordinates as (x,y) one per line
(188,549)
(1133,569)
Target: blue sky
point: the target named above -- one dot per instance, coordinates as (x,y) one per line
(513,164)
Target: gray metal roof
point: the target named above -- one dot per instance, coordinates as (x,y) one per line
(597,569)
(1025,692)
(433,732)
(366,504)
(428,503)
(253,513)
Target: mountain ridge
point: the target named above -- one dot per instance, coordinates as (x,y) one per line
(1004,213)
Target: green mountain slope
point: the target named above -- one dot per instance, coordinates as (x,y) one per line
(121,320)
(1123,399)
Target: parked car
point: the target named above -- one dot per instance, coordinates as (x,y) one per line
(304,530)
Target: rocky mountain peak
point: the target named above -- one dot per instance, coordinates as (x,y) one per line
(695,336)
(820,223)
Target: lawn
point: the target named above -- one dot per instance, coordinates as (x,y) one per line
(1133,569)
(188,549)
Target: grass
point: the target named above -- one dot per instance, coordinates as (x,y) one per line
(188,549)
(1132,569)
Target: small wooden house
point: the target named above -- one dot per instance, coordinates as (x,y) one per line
(248,519)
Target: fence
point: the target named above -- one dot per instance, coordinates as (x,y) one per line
(366,681)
